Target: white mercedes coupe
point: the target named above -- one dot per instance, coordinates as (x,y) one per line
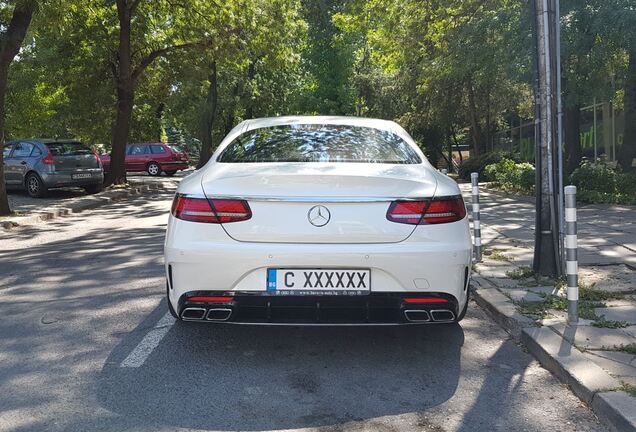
(318,220)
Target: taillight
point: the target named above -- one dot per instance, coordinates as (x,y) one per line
(210,299)
(99,161)
(48,159)
(435,211)
(210,211)
(424,300)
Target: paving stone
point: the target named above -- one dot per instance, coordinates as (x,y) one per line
(619,313)
(565,361)
(520,295)
(619,408)
(615,368)
(617,356)
(544,290)
(594,337)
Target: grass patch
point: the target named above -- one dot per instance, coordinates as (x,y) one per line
(629,349)
(497,255)
(521,273)
(628,388)
(533,310)
(603,323)
(555,302)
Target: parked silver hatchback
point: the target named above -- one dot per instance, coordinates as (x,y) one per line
(43,164)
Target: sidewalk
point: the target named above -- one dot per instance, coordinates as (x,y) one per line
(597,358)
(61,202)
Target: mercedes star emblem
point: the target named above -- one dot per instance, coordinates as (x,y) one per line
(319,216)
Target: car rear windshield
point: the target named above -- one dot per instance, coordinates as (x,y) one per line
(319,143)
(68,149)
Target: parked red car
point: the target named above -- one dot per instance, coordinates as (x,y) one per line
(152,158)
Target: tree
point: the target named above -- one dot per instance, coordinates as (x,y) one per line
(11,42)
(127,71)
(329,59)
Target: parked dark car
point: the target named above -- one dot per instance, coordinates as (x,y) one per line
(153,158)
(38,165)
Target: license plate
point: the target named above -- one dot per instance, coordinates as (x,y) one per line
(318,281)
(81,176)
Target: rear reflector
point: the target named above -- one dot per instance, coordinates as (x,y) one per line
(424,300)
(435,211)
(207,299)
(210,211)
(48,159)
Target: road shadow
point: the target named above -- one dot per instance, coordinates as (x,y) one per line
(225,377)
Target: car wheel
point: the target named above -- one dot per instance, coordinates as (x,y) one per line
(462,314)
(170,173)
(34,186)
(153,169)
(94,188)
(170,308)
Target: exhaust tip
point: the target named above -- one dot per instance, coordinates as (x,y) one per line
(442,315)
(193,314)
(218,314)
(417,316)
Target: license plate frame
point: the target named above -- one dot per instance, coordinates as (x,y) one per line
(80,176)
(318,281)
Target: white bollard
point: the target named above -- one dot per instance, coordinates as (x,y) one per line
(474,179)
(571,259)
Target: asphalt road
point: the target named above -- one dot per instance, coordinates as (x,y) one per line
(85,345)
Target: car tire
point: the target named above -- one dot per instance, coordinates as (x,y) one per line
(170,173)
(35,186)
(462,314)
(170,308)
(94,188)
(153,169)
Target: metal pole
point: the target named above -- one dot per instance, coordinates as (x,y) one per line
(595,151)
(561,218)
(613,133)
(572,264)
(474,179)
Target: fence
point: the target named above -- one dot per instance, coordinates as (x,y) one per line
(601,134)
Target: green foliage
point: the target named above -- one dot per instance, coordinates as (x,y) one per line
(628,388)
(603,323)
(478,164)
(511,176)
(629,348)
(521,273)
(599,183)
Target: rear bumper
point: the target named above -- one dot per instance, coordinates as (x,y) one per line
(174,166)
(203,258)
(53,180)
(373,309)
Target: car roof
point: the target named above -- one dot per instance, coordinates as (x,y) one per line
(149,143)
(333,120)
(51,140)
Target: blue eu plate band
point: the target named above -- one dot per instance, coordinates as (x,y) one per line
(271,280)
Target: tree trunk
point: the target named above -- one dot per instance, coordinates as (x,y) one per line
(208,118)
(251,73)
(572,135)
(125,98)
(475,127)
(11,43)
(627,151)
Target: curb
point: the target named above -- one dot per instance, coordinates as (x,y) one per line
(588,381)
(85,203)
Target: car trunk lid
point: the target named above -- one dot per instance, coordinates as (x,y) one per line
(72,156)
(318,202)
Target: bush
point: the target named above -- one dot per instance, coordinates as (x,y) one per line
(478,164)
(512,176)
(600,183)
